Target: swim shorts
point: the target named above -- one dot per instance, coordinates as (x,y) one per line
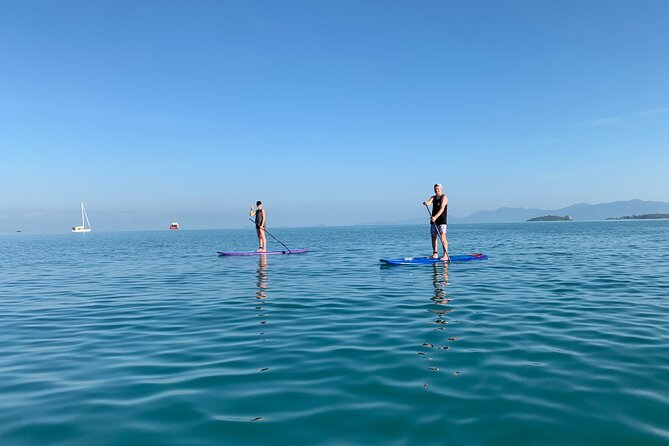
(433,229)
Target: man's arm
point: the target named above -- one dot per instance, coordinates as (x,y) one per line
(428,201)
(252,213)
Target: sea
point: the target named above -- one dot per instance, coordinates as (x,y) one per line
(150,338)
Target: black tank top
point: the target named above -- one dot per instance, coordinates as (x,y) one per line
(259,214)
(436,205)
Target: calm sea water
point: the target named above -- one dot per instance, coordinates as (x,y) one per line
(561,338)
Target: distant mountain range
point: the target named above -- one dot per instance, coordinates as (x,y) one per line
(579,212)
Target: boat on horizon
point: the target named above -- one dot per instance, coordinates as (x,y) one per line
(84,221)
(174,226)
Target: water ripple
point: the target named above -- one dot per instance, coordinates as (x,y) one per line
(150,338)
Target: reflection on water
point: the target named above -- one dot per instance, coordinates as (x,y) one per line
(440,297)
(261,293)
(439,281)
(438,320)
(261,275)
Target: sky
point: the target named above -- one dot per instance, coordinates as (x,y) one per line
(330,112)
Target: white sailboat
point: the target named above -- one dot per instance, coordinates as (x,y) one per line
(83,227)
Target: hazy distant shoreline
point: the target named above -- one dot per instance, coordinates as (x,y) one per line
(56,221)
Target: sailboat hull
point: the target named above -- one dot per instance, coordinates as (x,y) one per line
(80,229)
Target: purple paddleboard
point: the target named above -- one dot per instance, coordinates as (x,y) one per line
(256,253)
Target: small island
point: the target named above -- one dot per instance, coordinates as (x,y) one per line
(551,218)
(641,217)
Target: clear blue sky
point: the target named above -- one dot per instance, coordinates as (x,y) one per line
(332,112)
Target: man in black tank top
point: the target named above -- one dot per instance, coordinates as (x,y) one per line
(439,202)
(259,214)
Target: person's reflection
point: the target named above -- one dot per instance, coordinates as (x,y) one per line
(261,277)
(261,293)
(435,341)
(440,296)
(439,281)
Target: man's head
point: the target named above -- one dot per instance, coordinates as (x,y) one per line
(259,204)
(438,189)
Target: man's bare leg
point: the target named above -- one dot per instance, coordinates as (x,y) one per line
(260,234)
(446,258)
(263,242)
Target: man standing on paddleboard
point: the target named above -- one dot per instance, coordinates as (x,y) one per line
(259,214)
(439,202)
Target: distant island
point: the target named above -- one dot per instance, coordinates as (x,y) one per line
(640,217)
(551,218)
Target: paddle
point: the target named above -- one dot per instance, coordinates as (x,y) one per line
(436,226)
(289,251)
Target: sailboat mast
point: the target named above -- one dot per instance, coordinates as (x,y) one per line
(89,223)
(84,215)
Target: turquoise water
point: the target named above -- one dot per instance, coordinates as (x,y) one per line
(561,338)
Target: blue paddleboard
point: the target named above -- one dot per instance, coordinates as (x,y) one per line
(431,261)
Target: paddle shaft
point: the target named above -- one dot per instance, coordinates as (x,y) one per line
(250,219)
(436,226)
